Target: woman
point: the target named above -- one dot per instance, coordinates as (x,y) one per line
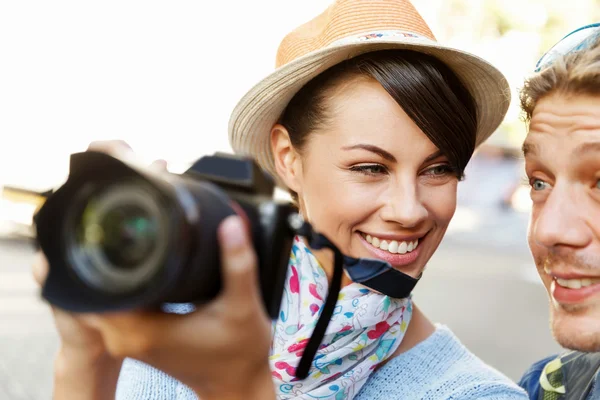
(369,123)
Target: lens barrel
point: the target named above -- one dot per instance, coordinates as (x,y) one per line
(116,239)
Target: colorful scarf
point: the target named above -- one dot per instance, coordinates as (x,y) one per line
(366,328)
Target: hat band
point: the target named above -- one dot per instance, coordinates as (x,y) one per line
(363,37)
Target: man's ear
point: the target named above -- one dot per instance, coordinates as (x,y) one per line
(287,160)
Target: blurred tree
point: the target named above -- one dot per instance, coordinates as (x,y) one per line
(512,34)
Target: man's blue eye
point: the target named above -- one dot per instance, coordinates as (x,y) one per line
(538,185)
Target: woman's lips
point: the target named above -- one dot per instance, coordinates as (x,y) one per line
(396,260)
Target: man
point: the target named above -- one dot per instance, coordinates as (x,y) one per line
(562,158)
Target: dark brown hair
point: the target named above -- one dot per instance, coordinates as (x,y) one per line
(426,89)
(576,73)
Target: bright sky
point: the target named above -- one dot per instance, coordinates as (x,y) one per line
(162,75)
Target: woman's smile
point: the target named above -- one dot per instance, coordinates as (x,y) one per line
(397,250)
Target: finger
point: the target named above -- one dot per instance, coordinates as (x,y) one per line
(139,334)
(115,148)
(120,332)
(238,261)
(40,268)
(159,166)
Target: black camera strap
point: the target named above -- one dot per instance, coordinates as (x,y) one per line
(317,241)
(375,274)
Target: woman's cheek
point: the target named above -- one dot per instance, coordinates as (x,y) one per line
(441,203)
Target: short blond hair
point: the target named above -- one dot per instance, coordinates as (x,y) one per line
(575,73)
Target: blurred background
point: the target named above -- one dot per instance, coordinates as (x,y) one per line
(163,76)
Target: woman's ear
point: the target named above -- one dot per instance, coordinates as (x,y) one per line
(287,160)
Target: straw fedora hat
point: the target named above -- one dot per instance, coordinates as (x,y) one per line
(349,28)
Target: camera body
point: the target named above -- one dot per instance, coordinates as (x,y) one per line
(118,236)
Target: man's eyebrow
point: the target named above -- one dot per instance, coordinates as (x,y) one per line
(373,149)
(585,148)
(529,149)
(579,151)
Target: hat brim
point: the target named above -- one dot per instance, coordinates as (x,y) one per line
(255,114)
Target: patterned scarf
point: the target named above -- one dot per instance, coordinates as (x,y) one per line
(366,328)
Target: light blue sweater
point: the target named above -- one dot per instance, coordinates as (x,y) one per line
(440,367)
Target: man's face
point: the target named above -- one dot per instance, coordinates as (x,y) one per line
(562,158)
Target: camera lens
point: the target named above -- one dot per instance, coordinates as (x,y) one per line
(118,239)
(127,235)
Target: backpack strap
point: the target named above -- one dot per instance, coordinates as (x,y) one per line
(569,377)
(552,381)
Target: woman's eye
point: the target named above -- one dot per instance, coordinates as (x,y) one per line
(440,170)
(538,184)
(369,169)
(598,184)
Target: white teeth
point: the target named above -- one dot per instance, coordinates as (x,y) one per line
(402,248)
(393,246)
(576,283)
(562,282)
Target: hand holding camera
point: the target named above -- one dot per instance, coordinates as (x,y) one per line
(219,350)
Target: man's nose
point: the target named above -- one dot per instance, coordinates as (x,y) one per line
(560,220)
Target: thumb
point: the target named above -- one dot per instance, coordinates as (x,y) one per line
(40,268)
(238,261)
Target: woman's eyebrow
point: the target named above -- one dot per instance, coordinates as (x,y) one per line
(373,149)
(433,156)
(386,155)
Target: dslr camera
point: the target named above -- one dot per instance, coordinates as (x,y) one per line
(118,236)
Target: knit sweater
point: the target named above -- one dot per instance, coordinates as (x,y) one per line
(440,367)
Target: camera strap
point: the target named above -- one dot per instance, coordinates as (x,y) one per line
(375,274)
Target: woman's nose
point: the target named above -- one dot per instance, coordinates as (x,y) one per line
(404,207)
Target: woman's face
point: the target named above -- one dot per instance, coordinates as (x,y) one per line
(372,182)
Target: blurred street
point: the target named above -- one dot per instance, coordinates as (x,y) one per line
(483,287)
(27,337)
